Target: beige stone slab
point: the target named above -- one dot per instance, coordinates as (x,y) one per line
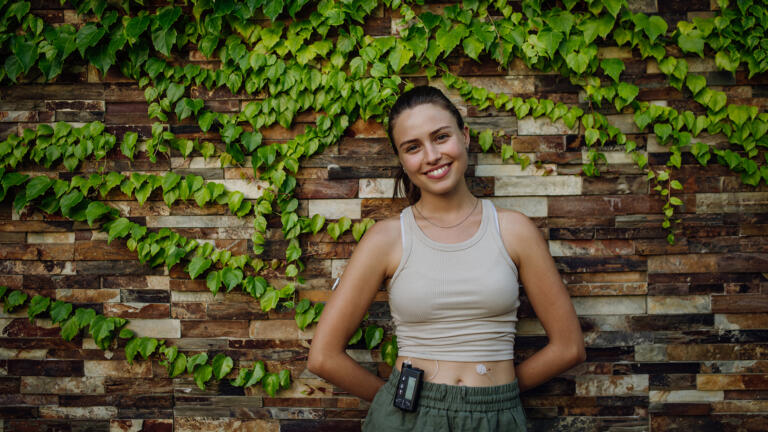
(335,208)
(651,353)
(79,413)
(625,122)
(157,328)
(88,295)
(740,406)
(208,424)
(609,305)
(678,304)
(612,157)
(51,237)
(273,329)
(530,327)
(537,185)
(362,355)
(741,321)
(692,263)
(501,170)
(338,266)
(505,84)
(612,385)
(140,368)
(198,222)
(673,396)
(544,126)
(62,385)
(376,188)
(251,189)
(529,206)
(22,354)
(695,65)
(734,202)
(614,52)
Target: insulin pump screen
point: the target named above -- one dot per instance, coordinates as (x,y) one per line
(410,388)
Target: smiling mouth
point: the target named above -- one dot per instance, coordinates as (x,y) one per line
(438,172)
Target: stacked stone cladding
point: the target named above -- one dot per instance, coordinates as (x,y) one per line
(676,335)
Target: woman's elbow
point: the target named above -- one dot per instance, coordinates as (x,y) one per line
(579,352)
(315,362)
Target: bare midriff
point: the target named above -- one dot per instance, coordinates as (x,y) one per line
(473,374)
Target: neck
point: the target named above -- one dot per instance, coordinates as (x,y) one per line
(447,206)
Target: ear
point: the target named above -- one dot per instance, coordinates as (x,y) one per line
(465,132)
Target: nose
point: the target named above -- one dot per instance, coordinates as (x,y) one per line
(431,153)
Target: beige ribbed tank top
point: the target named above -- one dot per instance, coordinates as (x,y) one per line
(457,301)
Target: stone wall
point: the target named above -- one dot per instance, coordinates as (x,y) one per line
(677,335)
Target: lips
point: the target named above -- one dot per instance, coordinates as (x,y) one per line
(439,172)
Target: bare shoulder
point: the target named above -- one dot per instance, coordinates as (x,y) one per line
(518,232)
(382,242)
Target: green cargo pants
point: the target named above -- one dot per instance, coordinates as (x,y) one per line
(448,408)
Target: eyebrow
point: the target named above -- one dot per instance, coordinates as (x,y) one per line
(431,133)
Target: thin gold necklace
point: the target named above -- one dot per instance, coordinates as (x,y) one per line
(477,200)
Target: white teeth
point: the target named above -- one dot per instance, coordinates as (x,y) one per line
(439,171)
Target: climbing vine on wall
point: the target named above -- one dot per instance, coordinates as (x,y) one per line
(293,56)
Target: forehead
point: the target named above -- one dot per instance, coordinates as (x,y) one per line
(421,120)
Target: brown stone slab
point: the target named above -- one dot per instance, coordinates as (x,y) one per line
(101,250)
(581,264)
(50,368)
(323,189)
(692,263)
(147,425)
(22,328)
(600,205)
(189,311)
(382,208)
(365,146)
(235,311)
(717,352)
(39,251)
(739,303)
(214,329)
(152,310)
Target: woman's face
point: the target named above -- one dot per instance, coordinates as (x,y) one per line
(431,147)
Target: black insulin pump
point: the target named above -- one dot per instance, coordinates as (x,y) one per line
(408,387)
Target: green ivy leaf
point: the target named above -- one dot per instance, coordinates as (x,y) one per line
(612,67)
(37,186)
(717,101)
(256,374)
(373,336)
(197,266)
(37,305)
(147,346)
(95,210)
(222,364)
(628,91)
(269,300)
(14,300)
(662,130)
(60,311)
(231,277)
(695,83)
(69,329)
(271,383)
(203,375)
(486,139)
(196,360)
(356,336)
(656,27)
(88,36)
(285,378)
(126,334)
(389,351)
(305,318)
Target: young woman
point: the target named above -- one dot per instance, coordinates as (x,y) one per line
(451,263)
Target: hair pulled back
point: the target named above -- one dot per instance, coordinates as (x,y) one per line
(414,97)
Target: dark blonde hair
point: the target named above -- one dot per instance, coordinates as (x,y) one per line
(414,97)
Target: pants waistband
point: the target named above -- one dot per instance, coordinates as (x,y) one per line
(462,398)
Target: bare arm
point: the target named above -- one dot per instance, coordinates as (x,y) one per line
(368,267)
(550,301)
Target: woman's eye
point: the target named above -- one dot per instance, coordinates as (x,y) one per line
(442,137)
